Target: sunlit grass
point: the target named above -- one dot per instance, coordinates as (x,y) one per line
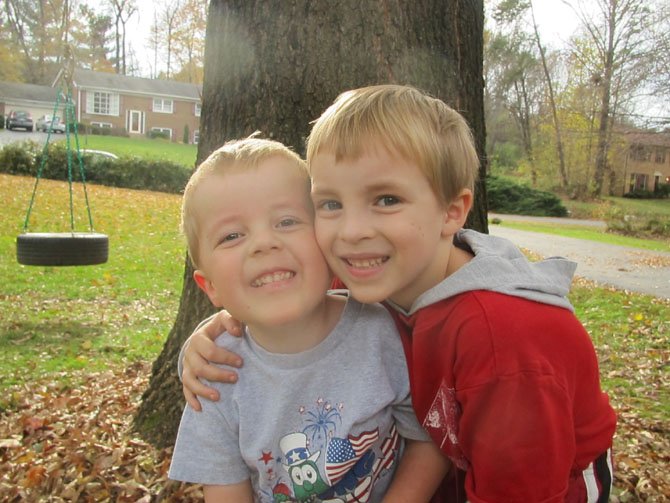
(59,318)
(591,234)
(146,148)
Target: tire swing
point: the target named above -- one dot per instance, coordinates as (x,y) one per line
(63,248)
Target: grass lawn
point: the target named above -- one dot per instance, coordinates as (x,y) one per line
(597,209)
(54,321)
(141,147)
(61,318)
(592,234)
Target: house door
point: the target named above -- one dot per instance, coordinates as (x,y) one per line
(135,121)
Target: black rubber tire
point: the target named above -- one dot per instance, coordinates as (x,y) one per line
(62,248)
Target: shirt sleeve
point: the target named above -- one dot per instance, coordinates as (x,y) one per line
(207,447)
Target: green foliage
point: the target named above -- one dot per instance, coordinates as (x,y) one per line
(154,134)
(127,172)
(18,158)
(505,156)
(186,137)
(663,191)
(506,196)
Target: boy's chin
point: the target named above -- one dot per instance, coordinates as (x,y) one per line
(366,296)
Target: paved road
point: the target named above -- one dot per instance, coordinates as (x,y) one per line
(623,267)
(7,136)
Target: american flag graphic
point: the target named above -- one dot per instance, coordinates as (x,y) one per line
(343,453)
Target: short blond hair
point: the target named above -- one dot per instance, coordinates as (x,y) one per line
(233,157)
(403,119)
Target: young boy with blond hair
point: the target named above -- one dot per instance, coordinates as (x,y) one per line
(322,407)
(503,376)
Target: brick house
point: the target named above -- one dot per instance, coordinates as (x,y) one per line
(107,100)
(37,100)
(138,105)
(647,161)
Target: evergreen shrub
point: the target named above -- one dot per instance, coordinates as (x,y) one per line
(506,196)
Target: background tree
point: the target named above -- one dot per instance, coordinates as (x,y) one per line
(122,11)
(164,33)
(275,67)
(38,29)
(189,40)
(513,77)
(92,41)
(620,38)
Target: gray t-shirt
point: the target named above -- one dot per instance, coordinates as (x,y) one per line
(319,425)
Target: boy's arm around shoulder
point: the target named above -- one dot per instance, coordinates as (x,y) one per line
(419,473)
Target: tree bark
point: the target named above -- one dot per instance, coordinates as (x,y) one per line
(275,66)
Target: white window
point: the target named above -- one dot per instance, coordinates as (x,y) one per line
(164,130)
(102,103)
(196,136)
(198,109)
(101,124)
(163,106)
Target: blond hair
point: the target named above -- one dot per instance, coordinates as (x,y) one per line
(403,119)
(234,156)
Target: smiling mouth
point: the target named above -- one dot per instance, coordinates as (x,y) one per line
(367,263)
(274,277)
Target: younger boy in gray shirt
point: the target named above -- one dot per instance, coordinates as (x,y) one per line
(322,406)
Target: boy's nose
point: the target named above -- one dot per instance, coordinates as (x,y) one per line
(265,241)
(355,226)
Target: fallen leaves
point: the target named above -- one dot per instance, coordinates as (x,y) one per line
(75,443)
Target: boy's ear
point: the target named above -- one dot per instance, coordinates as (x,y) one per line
(205,285)
(456,212)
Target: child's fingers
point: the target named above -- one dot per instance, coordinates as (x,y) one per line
(191,399)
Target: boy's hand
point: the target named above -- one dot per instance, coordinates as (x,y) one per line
(200,350)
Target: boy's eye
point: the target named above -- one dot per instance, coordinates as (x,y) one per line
(287,222)
(230,237)
(329,205)
(387,200)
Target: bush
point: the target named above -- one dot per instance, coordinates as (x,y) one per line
(19,158)
(163,135)
(126,172)
(506,196)
(662,192)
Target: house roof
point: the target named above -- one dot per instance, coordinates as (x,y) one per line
(27,92)
(652,139)
(88,79)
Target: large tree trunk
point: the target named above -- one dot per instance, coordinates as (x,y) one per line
(275,66)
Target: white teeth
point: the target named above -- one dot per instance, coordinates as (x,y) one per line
(272,278)
(366,263)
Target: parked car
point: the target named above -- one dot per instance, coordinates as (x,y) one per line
(19,119)
(46,121)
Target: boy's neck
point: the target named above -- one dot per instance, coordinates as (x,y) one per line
(301,334)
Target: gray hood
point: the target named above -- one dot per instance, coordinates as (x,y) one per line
(499,266)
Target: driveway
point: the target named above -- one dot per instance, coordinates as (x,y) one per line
(622,267)
(7,137)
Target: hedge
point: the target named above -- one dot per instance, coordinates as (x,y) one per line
(25,158)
